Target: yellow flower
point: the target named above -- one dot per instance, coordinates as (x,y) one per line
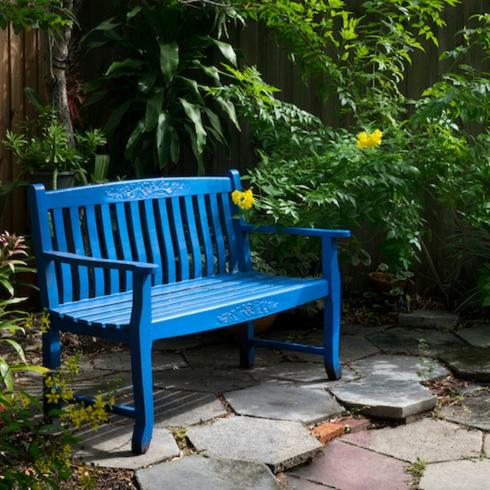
(52,397)
(369,140)
(243,199)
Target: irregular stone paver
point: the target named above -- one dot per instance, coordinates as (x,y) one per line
(469,362)
(110,446)
(187,342)
(226,356)
(399,368)
(311,375)
(358,329)
(477,336)
(207,380)
(295,483)
(457,475)
(415,341)
(121,361)
(283,401)
(196,472)
(117,383)
(352,347)
(179,408)
(386,398)
(429,319)
(486,446)
(474,411)
(428,439)
(353,468)
(279,444)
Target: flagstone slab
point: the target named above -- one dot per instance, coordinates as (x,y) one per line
(429,319)
(279,444)
(207,380)
(349,467)
(352,347)
(486,446)
(399,368)
(473,411)
(415,341)
(227,356)
(121,361)
(427,439)
(478,336)
(457,475)
(295,483)
(197,472)
(284,401)
(110,446)
(391,399)
(187,342)
(469,362)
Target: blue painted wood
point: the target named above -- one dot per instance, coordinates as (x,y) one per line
(114,284)
(117,408)
(167,297)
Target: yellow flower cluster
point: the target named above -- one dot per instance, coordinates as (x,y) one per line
(92,414)
(369,140)
(243,199)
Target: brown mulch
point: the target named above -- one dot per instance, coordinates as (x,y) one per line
(448,390)
(102,479)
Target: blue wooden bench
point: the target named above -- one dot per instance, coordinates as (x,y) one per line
(143,260)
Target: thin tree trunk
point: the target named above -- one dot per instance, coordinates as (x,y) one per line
(60,51)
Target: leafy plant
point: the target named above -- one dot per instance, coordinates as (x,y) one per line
(159,83)
(44,147)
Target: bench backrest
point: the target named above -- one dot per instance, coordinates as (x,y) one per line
(185,225)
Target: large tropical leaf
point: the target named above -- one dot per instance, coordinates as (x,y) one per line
(169,60)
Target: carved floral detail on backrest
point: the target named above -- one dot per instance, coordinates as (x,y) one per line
(146,190)
(248,311)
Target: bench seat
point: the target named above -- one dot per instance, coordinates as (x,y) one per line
(226,299)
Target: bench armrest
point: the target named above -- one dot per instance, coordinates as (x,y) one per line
(122,265)
(315,232)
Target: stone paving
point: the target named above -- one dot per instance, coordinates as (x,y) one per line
(219,427)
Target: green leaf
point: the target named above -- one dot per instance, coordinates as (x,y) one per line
(163,138)
(228,107)
(174,146)
(227,51)
(115,118)
(193,112)
(34,99)
(17,347)
(216,124)
(118,68)
(169,60)
(133,140)
(153,108)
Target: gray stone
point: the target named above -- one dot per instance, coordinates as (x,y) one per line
(110,446)
(121,361)
(279,444)
(300,484)
(119,384)
(352,347)
(477,336)
(386,399)
(428,319)
(399,368)
(196,472)
(187,342)
(456,475)
(207,380)
(226,356)
(486,446)
(311,375)
(415,341)
(469,362)
(358,329)
(427,439)
(284,401)
(473,411)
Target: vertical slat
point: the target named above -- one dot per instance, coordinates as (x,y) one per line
(167,241)
(156,255)
(93,237)
(66,276)
(76,232)
(206,236)
(110,246)
(137,231)
(218,234)
(181,243)
(191,223)
(230,233)
(122,226)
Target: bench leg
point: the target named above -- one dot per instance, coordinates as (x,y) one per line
(143,395)
(331,335)
(51,360)
(247,349)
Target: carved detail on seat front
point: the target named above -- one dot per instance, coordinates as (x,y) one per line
(146,190)
(245,312)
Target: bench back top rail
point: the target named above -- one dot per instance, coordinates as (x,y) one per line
(184,225)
